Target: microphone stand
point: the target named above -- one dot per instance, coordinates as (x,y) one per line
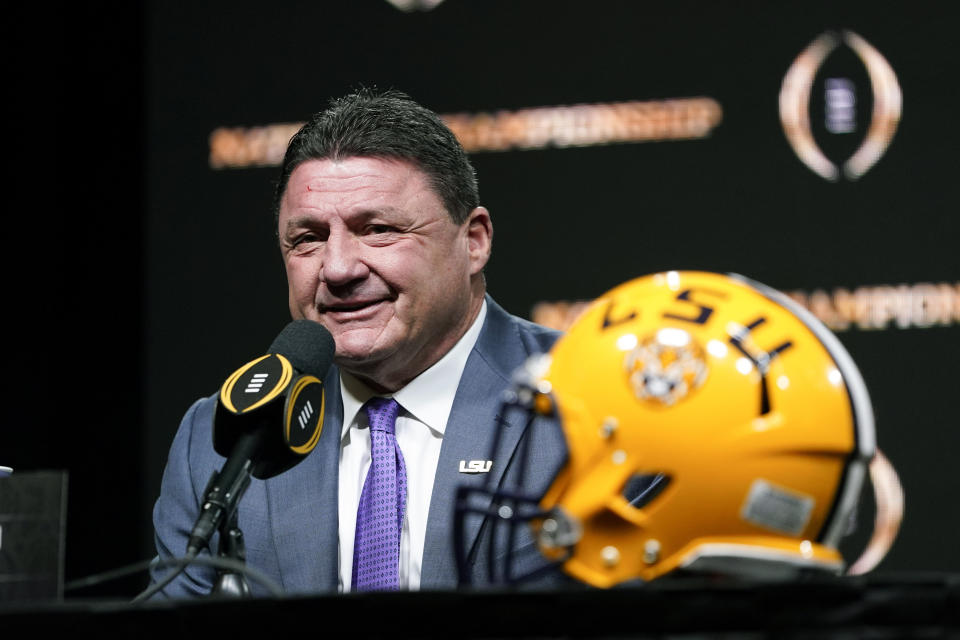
(231,584)
(219,510)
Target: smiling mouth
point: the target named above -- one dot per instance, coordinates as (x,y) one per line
(348,309)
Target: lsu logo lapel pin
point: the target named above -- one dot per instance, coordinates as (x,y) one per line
(475,466)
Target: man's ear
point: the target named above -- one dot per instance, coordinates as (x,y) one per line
(479,229)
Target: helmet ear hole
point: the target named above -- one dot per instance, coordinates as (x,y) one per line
(642,488)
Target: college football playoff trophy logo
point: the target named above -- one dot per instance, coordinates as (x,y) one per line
(842,109)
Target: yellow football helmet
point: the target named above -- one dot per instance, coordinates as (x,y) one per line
(712,425)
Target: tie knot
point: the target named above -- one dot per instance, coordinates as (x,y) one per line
(382,413)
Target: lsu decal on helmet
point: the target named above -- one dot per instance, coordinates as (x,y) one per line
(712,425)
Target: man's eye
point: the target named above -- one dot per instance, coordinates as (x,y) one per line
(306,238)
(380,228)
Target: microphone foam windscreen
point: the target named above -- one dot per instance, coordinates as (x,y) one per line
(307,345)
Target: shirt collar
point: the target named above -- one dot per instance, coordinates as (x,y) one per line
(428,397)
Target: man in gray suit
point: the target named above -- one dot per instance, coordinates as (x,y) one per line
(384,242)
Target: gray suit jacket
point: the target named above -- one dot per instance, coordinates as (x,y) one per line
(290,521)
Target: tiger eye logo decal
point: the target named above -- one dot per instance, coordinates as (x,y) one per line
(666,367)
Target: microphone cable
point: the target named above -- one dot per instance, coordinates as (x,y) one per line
(180,564)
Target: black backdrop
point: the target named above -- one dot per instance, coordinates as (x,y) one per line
(174,277)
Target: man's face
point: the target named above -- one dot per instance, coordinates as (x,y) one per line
(372,255)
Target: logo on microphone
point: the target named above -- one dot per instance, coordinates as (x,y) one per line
(252,378)
(305,415)
(256,383)
(306,394)
(840,105)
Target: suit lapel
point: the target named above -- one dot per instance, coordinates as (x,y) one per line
(302,503)
(469,436)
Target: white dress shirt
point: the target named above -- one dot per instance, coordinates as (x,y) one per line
(425,407)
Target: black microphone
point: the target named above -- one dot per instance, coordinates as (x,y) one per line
(268,418)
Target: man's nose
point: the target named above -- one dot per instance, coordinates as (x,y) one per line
(342,260)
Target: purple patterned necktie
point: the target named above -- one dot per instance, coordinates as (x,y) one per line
(376,546)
